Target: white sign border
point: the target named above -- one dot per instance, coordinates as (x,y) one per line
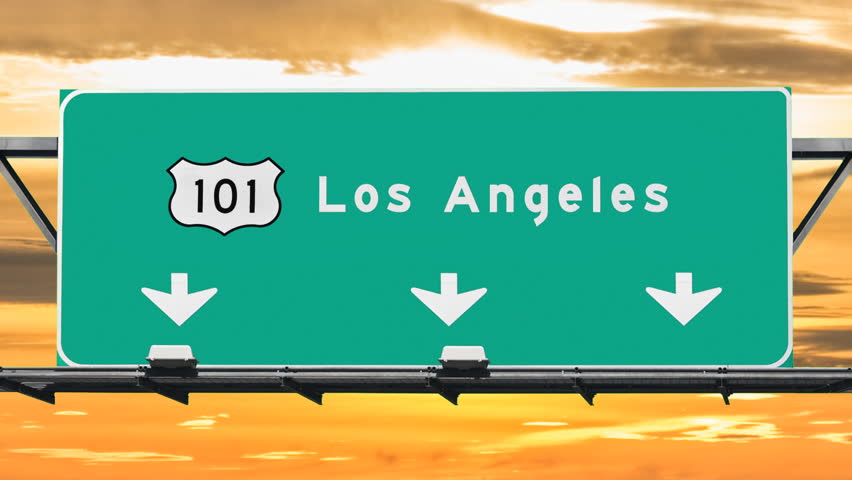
(783,90)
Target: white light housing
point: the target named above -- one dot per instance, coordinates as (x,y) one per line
(463,358)
(171,356)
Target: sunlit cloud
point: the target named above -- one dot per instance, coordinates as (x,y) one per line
(437,66)
(285,455)
(742,396)
(89,456)
(204,422)
(544,424)
(336,459)
(198,424)
(727,430)
(70,413)
(844,438)
(587,16)
(736,428)
(626,436)
(826,422)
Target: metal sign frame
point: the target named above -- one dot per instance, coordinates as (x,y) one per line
(447,380)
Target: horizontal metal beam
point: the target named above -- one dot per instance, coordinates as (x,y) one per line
(803,148)
(821,148)
(430,380)
(29,147)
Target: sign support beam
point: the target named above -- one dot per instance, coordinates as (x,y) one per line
(294,386)
(584,392)
(38,394)
(27,200)
(164,390)
(309,382)
(822,202)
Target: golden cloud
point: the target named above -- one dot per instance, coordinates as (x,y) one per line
(89,456)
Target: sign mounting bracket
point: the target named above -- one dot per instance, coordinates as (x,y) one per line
(37,393)
(164,390)
(293,385)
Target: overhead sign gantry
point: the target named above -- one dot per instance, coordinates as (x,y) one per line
(173,370)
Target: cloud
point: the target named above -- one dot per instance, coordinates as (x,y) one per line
(734,428)
(725,430)
(626,436)
(544,424)
(742,396)
(89,456)
(204,422)
(198,424)
(822,347)
(844,438)
(70,413)
(336,459)
(311,36)
(285,455)
(27,271)
(803,413)
(809,283)
(821,311)
(28,341)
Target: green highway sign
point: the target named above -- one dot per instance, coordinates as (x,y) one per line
(571,228)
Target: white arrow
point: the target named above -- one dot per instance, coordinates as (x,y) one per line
(179,305)
(683,304)
(449,305)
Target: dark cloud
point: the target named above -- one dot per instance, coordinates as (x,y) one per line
(819,311)
(808,283)
(833,10)
(821,347)
(327,35)
(715,54)
(27,271)
(24,341)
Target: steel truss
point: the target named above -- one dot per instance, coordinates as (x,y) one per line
(314,382)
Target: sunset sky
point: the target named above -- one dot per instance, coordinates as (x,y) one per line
(46,45)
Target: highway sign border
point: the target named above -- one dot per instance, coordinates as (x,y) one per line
(788,352)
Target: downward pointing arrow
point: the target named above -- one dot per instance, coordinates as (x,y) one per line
(683,304)
(449,305)
(179,305)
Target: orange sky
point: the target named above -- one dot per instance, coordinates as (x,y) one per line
(46,45)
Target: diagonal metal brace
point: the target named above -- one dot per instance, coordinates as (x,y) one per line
(27,200)
(297,387)
(725,391)
(37,393)
(588,395)
(164,390)
(441,389)
(449,395)
(822,202)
